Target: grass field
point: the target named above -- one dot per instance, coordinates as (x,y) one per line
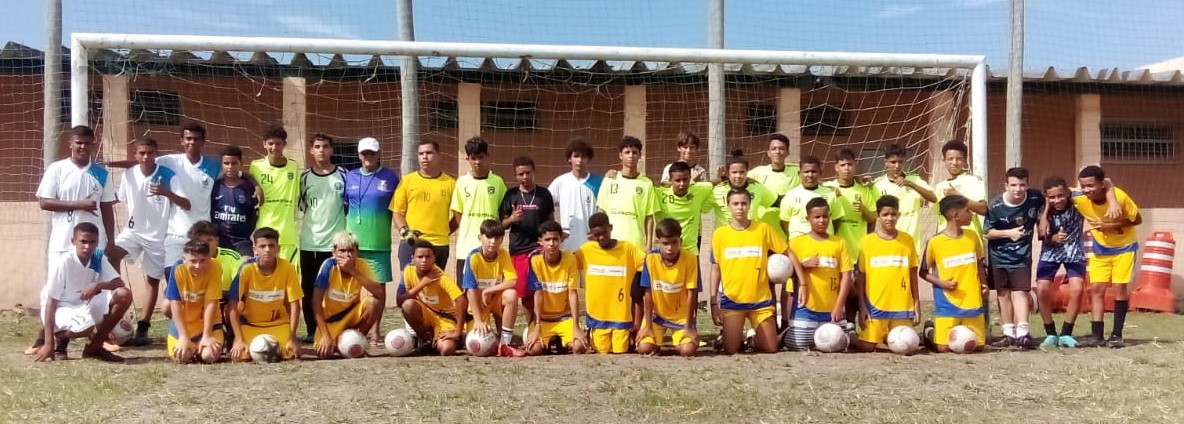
(1142,383)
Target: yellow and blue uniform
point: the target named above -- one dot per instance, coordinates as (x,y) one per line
(668,287)
(554,282)
(438,301)
(264,300)
(743,256)
(1112,259)
(887,267)
(822,282)
(608,281)
(345,299)
(480,274)
(957,260)
(192,293)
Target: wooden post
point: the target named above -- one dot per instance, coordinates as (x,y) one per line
(941,130)
(295,118)
(789,121)
(1088,132)
(468,110)
(635,118)
(115,134)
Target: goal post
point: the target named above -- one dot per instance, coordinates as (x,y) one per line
(82,43)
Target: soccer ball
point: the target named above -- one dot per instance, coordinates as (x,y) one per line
(481,344)
(351,343)
(830,338)
(264,348)
(399,342)
(122,333)
(903,340)
(779,268)
(962,339)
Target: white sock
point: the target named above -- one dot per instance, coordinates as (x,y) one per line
(1009,330)
(409,329)
(1021,329)
(507,335)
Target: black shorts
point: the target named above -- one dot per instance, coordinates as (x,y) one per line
(1014,279)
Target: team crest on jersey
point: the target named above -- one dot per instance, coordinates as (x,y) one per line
(205,181)
(637,190)
(489,189)
(1019,220)
(1032,212)
(240,198)
(339,186)
(291,176)
(95,188)
(382,185)
(444,193)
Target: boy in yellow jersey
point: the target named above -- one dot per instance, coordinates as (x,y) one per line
(478,197)
(629,197)
(826,282)
(345,295)
(778,176)
(670,276)
(740,287)
(735,175)
(610,272)
(888,290)
(230,260)
(910,190)
(554,280)
(266,298)
(686,202)
(194,290)
(278,178)
(1112,260)
(419,208)
(961,182)
(432,302)
(793,211)
(489,282)
(953,263)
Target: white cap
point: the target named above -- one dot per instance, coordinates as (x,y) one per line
(367,144)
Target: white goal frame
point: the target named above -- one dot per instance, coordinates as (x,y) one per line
(81,43)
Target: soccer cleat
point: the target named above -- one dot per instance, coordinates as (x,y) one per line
(141,338)
(507,351)
(1050,341)
(101,354)
(927,332)
(1067,341)
(1004,342)
(1115,342)
(1025,342)
(1091,341)
(555,345)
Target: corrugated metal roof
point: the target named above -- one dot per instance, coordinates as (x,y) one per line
(13,50)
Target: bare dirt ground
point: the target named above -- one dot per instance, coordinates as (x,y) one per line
(1142,383)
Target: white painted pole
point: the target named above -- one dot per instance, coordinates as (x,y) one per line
(52,87)
(409,90)
(1015,87)
(526,51)
(79,82)
(716,90)
(978,121)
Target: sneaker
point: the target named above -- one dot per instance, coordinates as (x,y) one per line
(555,345)
(718,344)
(1025,342)
(1005,342)
(1091,341)
(1115,342)
(59,349)
(141,337)
(927,331)
(507,351)
(101,354)
(1067,341)
(1050,341)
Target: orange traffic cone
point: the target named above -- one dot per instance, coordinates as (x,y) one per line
(1154,290)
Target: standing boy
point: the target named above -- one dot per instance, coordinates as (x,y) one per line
(888,290)
(193,292)
(629,200)
(610,268)
(670,277)
(793,211)
(368,194)
(911,191)
(523,209)
(278,179)
(1060,247)
(344,296)
(688,147)
(477,197)
(953,263)
(195,175)
(855,199)
(1112,260)
(575,194)
(827,282)
(322,185)
(1010,224)
(686,202)
(489,282)
(419,208)
(234,207)
(266,299)
(555,281)
(778,176)
(77,190)
(83,297)
(961,182)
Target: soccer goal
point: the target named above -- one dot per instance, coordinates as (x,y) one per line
(530,99)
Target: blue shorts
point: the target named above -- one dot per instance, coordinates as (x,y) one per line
(1047,271)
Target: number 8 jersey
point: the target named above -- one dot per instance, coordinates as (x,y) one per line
(608,280)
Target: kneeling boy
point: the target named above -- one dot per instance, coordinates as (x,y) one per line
(432,303)
(611,267)
(554,280)
(888,289)
(489,282)
(827,281)
(193,289)
(670,278)
(339,302)
(267,298)
(957,257)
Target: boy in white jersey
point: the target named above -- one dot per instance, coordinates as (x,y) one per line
(147,189)
(322,186)
(575,194)
(76,190)
(477,197)
(962,182)
(688,147)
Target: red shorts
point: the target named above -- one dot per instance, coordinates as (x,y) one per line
(522,268)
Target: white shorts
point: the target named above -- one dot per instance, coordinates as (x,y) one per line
(78,318)
(150,256)
(173,245)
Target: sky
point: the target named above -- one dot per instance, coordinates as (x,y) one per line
(1065,34)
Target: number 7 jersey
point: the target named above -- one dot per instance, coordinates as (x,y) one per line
(608,279)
